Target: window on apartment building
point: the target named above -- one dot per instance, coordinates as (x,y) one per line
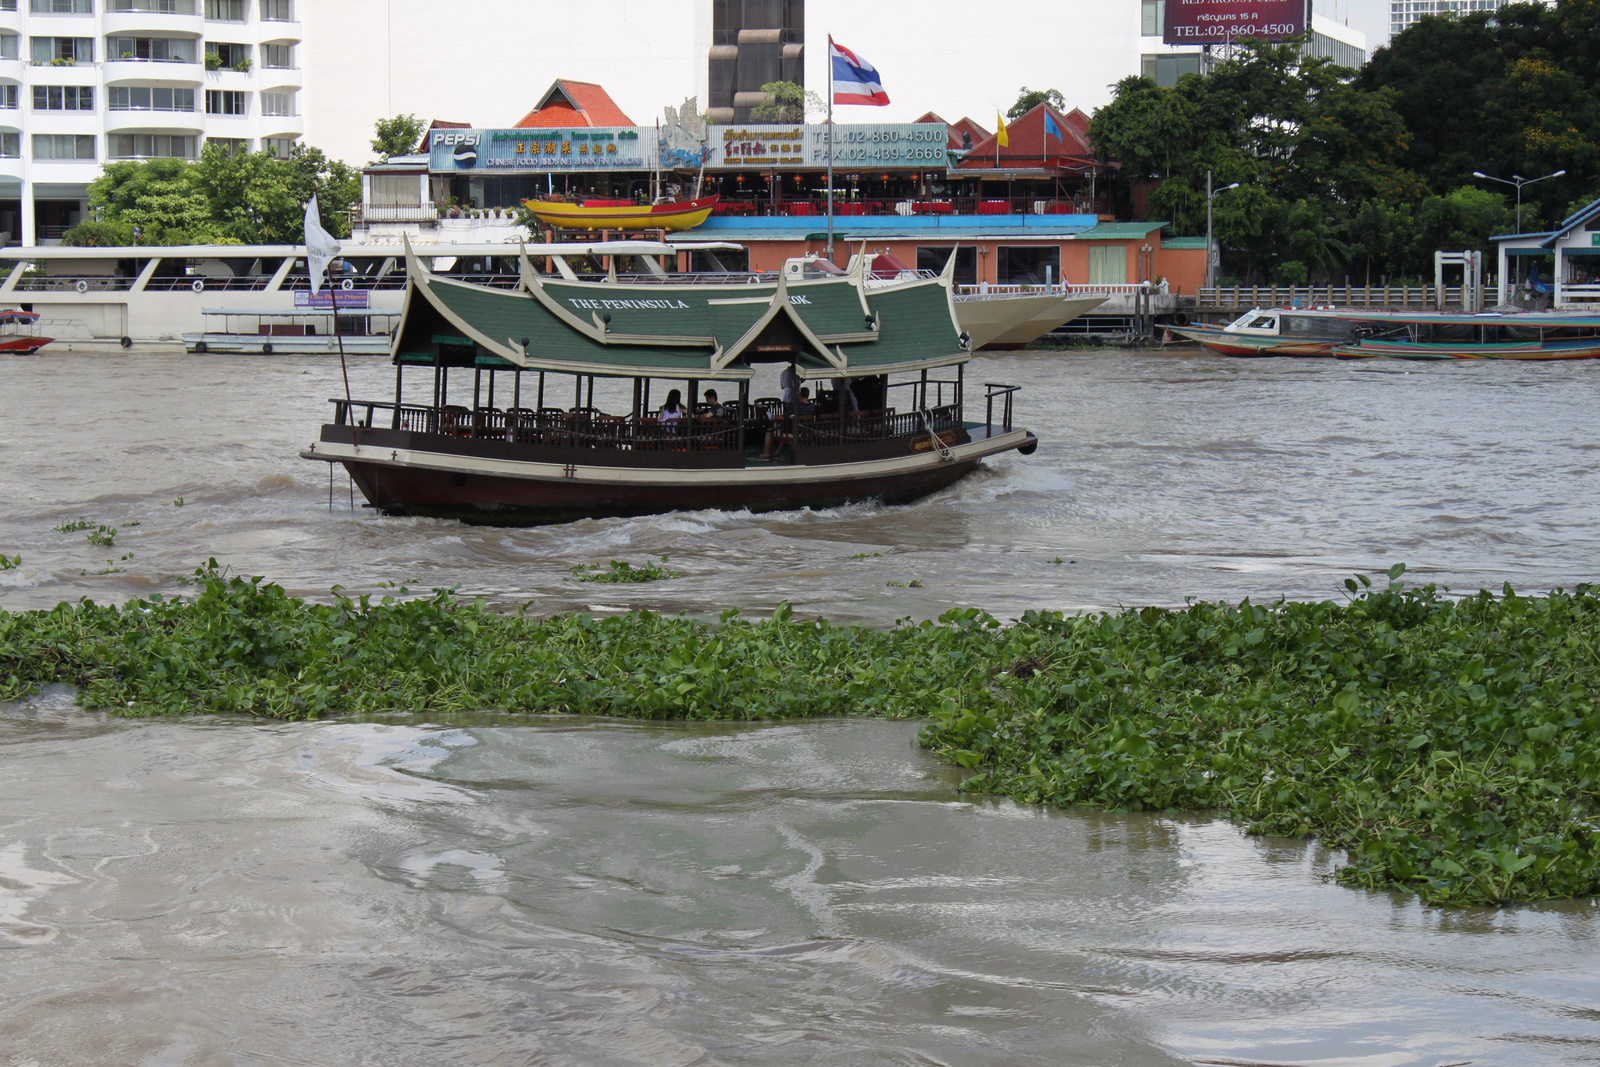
(61,7)
(1108,265)
(8,46)
(148,98)
(278,56)
(8,97)
(1152,17)
(1165,68)
(280,103)
(153,49)
(8,5)
(225,102)
(232,146)
(282,147)
(63,98)
(934,257)
(233,56)
(1027,264)
(63,146)
(149,146)
(225,10)
(67,49)
(277,10)
(10,145)
(162,7)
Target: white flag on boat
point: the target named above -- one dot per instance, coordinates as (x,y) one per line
(320,245)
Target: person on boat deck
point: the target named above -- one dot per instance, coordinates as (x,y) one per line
(711,406)
(777,436)
(788,384)
(841,388)
(671,413)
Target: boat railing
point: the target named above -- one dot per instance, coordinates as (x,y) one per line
(997,392)
(595,429)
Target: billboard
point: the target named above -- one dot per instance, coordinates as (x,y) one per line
(856,146)
(537,151)
(1221,21)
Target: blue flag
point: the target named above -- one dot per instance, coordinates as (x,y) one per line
(1050,127)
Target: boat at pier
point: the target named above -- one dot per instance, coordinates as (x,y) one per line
(19,333)
(1351,333)
(545,404)
(622,214)
(294,331)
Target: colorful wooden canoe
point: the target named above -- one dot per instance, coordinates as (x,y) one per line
(622,215)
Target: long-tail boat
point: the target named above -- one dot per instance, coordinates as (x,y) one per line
(1351,333)
(622,214)
(544,404)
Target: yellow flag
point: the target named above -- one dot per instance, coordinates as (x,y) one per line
(1000,137)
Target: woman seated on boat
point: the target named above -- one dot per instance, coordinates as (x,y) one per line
(671,414)
(778,436)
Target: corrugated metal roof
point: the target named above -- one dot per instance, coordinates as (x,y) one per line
(1119,231)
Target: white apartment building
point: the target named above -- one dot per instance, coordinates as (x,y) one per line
(88,82)
(1405,13)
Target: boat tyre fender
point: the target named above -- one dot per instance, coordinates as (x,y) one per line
(266,350)
(1180,319)
(82,286)
(1029,447)
(198,286)
(126,342)
(201,346)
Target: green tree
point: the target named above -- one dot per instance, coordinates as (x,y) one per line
(787,102)
(1028,99)
(397,136)
(156,195)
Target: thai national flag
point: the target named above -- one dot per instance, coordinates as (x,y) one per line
(855,81)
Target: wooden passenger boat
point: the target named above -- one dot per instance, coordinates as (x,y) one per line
(490,443)
(1349,333)
(622,215)
(19,333)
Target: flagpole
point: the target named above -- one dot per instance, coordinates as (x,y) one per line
(828,140)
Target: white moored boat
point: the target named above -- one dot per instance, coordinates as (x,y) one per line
(296,331)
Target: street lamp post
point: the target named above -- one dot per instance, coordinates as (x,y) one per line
(1210,249)
(1519,181)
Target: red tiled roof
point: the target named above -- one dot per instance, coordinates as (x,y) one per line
(570,103)
(966,125)
(1030,146)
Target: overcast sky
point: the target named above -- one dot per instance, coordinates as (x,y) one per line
(487,62)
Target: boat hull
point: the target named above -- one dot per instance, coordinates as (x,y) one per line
(1004,322)
(427,480)
(1234,344)
(284,345)
(680,215)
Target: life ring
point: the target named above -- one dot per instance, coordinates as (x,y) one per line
(82,286)
(266,350)
(198,286)
(126,342)
(347,285)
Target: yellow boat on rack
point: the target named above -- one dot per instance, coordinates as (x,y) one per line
(622,214)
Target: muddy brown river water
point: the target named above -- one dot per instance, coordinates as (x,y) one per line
(568,891)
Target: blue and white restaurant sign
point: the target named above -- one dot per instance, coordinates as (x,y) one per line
(916,145)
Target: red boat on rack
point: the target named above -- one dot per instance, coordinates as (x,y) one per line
(19,333)
(622,214)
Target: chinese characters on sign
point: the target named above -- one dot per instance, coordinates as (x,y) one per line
(1221,21)
(619,148)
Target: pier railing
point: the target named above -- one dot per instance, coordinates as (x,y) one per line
(1415,297)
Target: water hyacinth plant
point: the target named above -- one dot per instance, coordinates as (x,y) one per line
(1452,746)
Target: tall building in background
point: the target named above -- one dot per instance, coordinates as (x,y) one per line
(89,82)
(1405,13)
(753,42)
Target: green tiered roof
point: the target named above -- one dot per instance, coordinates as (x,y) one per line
(829,327)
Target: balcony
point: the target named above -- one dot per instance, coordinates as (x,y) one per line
(152,120)
(152,23)
(166,71)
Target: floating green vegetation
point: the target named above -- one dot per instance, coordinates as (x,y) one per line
(99,534)
(622,571)
(74,526)
(1451,746)
(10,563)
